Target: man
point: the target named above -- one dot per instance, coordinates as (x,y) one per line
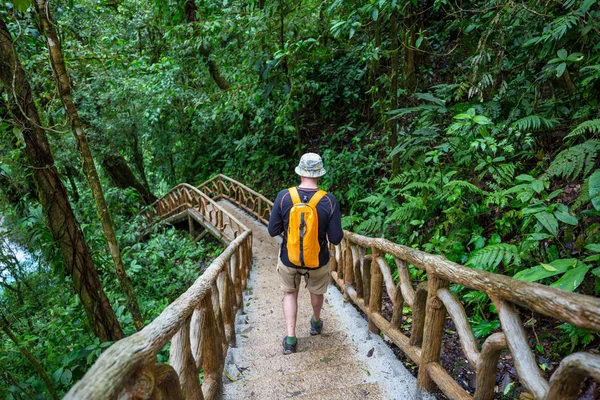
(310,169)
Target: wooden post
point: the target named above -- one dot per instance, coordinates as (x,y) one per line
(348,269)
(487,366)
(197,323)
(398,308)
(341,260)
(418,315)
(182,360)
(358,259)
(191,226)
(376,290)
(332,259)
(168,385)
(141,385)
(435,315)
(228,308)
(216,300)
(367,279)
(212,351)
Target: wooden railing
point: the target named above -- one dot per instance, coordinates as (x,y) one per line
(360,269)
(199,324)
(222,186)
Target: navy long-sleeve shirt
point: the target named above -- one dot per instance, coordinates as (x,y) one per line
(330,221)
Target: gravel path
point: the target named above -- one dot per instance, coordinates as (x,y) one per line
(344,362)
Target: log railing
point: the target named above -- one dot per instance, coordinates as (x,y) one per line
(360,268)
(249,200)
(199,324)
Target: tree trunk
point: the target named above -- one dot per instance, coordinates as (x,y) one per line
(410,54)
(57,210)
(70,173)
(190,9)
(122,176)
(32,360)
(64,87)
(394,49)
(138,157)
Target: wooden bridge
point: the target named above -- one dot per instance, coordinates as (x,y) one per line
(201,323)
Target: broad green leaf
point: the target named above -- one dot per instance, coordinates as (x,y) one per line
(548,221)
(572,278)
(524,178)
(537,185)
(66,377)
(22,5)
(548,267)
(375,14)
(57,374)
(595,247)
(595,257)
(539,236)
(562,53)
(481,120)
(536,273)
(565,217)
(462,116)
(560,70)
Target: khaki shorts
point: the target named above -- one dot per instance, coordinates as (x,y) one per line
(316,281)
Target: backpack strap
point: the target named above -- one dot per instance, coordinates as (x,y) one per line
(316,198)
(294,195)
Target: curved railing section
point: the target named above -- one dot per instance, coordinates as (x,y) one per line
(360,268)
(223,187)
(199,324)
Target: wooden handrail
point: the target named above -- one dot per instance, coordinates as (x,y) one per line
(199,322)
(362,277)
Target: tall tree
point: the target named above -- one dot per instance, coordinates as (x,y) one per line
(63,82)
(394,49)
(190,10)
(53,197)
(30,357)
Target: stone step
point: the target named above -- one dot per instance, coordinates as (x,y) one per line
(327,378)
(249,368)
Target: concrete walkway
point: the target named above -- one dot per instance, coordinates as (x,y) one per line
(345,362)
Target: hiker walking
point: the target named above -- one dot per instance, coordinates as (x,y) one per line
(307,217)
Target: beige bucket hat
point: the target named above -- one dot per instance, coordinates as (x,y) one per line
(310,166)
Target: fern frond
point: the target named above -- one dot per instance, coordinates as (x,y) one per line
(574,161)
(584,195)
(373,224)
(492,255)
(467,186)
(419,185)
(374,200)
(505,172)
(592,126)
(532,123)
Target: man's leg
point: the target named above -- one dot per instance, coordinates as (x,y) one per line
(317,285)
(290,310)
(317,304)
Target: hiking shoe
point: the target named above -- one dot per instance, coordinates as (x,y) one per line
(287,347)
(316,327)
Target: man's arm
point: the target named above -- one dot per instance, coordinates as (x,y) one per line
(275,220)
(334,229)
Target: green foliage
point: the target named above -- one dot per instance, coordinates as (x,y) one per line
(489,257)
(575,161)
(497,123)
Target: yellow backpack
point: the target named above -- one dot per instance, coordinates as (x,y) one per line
(303,231)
